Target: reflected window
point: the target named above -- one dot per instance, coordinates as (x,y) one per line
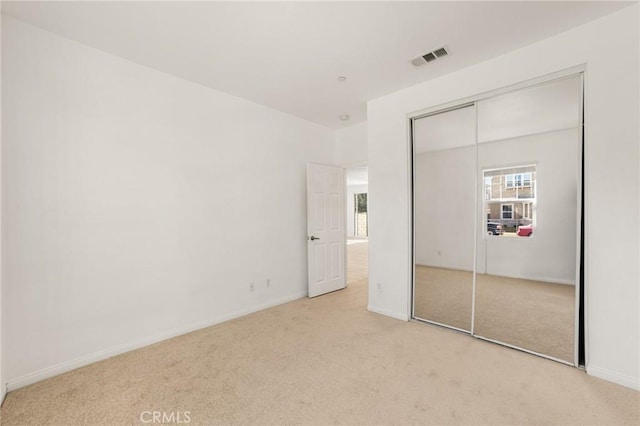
(360,215)
(510,198)
(519,180)
(507,211)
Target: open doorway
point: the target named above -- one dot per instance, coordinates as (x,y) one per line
(357,225)
(361,222)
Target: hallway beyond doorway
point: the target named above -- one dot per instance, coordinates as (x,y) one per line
(357,261)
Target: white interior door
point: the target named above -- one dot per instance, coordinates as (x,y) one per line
(326,236)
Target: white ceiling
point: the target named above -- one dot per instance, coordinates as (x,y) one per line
(539,109)
(288,55)
(447,130)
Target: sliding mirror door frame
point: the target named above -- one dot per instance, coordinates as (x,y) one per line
(454,269)
(580,343)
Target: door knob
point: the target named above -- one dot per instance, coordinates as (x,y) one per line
(314,238)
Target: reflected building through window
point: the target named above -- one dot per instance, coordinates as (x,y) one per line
(509,200)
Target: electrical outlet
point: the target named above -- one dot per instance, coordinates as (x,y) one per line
(252,286)
(379,286)
(268,283)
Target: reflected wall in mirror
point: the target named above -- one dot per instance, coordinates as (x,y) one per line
(444,207)
(526,271)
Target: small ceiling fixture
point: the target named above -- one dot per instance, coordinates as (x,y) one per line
(344,117)
(342,79)
(429,57)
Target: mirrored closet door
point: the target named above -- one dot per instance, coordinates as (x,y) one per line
(529,163)
(444,166)
(502,175)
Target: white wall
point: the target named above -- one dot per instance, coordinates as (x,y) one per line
(550,253)
(136,205)
(610,49)
(444,184)
(351,145)
(352,190)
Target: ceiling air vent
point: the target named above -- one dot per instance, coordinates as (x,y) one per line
(441,52)
(429,57)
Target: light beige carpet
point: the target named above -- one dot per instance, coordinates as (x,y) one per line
(357,260)
(533,315)
(444,296)
(325,361)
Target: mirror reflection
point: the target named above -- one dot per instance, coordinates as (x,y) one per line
(527,250)
(497,200)
(444,196)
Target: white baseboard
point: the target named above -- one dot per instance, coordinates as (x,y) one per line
(507,275)
(63,367)
(444,266)
(401,317)
(540,279)
(3,393)
(614,376)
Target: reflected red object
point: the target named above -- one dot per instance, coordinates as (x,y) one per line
(525,230)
